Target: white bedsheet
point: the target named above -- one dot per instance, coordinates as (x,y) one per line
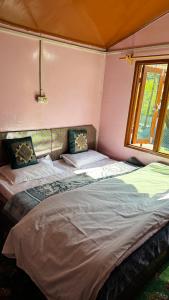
(70,243)
(8,190)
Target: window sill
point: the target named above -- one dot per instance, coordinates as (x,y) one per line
(147,151)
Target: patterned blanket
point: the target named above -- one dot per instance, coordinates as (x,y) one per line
(21,203)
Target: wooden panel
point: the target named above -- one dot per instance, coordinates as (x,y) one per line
(139,104)
(41,140)
(52,141)
(60,139)
(133,103)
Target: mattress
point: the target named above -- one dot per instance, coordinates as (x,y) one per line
(7,190)
(111,219)
(23,201)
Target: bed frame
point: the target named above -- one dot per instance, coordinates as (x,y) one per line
(133,271)
(53,141)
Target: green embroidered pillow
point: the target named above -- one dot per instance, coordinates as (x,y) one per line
(77,140)
(21,152)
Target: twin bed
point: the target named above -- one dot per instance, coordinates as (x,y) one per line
(90,232)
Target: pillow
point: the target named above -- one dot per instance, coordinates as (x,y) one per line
(47,160)
(33,172)
(77,140)
(21,152)
(81,159)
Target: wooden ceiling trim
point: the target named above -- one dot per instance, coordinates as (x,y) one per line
(20,31)
(55,36)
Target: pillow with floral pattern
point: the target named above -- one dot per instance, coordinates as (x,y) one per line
(20,152)
(77,139)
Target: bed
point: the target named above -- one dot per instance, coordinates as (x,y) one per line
(101,236)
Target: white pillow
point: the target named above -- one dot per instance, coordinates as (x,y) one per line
(37,171)
(46,159)
(81,159)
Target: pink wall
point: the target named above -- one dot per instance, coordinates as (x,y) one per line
(116,96)
(72,80)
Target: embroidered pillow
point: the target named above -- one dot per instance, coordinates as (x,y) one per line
(21,152)
(77,140)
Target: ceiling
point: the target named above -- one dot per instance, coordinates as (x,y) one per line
(95,22)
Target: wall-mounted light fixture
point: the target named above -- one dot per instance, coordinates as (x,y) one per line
(41,97)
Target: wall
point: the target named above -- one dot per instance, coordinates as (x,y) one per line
(117,92)
(72,80)
(153,34)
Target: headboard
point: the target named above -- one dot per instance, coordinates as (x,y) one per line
(53,141)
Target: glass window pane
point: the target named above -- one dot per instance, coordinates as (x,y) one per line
(164,145)
(148,106)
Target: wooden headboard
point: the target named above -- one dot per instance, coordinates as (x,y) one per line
(53,141)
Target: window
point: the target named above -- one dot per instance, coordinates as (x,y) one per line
(148,120)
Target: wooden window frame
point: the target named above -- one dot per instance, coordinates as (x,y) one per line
(135,94)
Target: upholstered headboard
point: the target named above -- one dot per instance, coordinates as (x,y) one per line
(53,141)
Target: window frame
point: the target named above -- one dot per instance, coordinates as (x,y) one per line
(134,105)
